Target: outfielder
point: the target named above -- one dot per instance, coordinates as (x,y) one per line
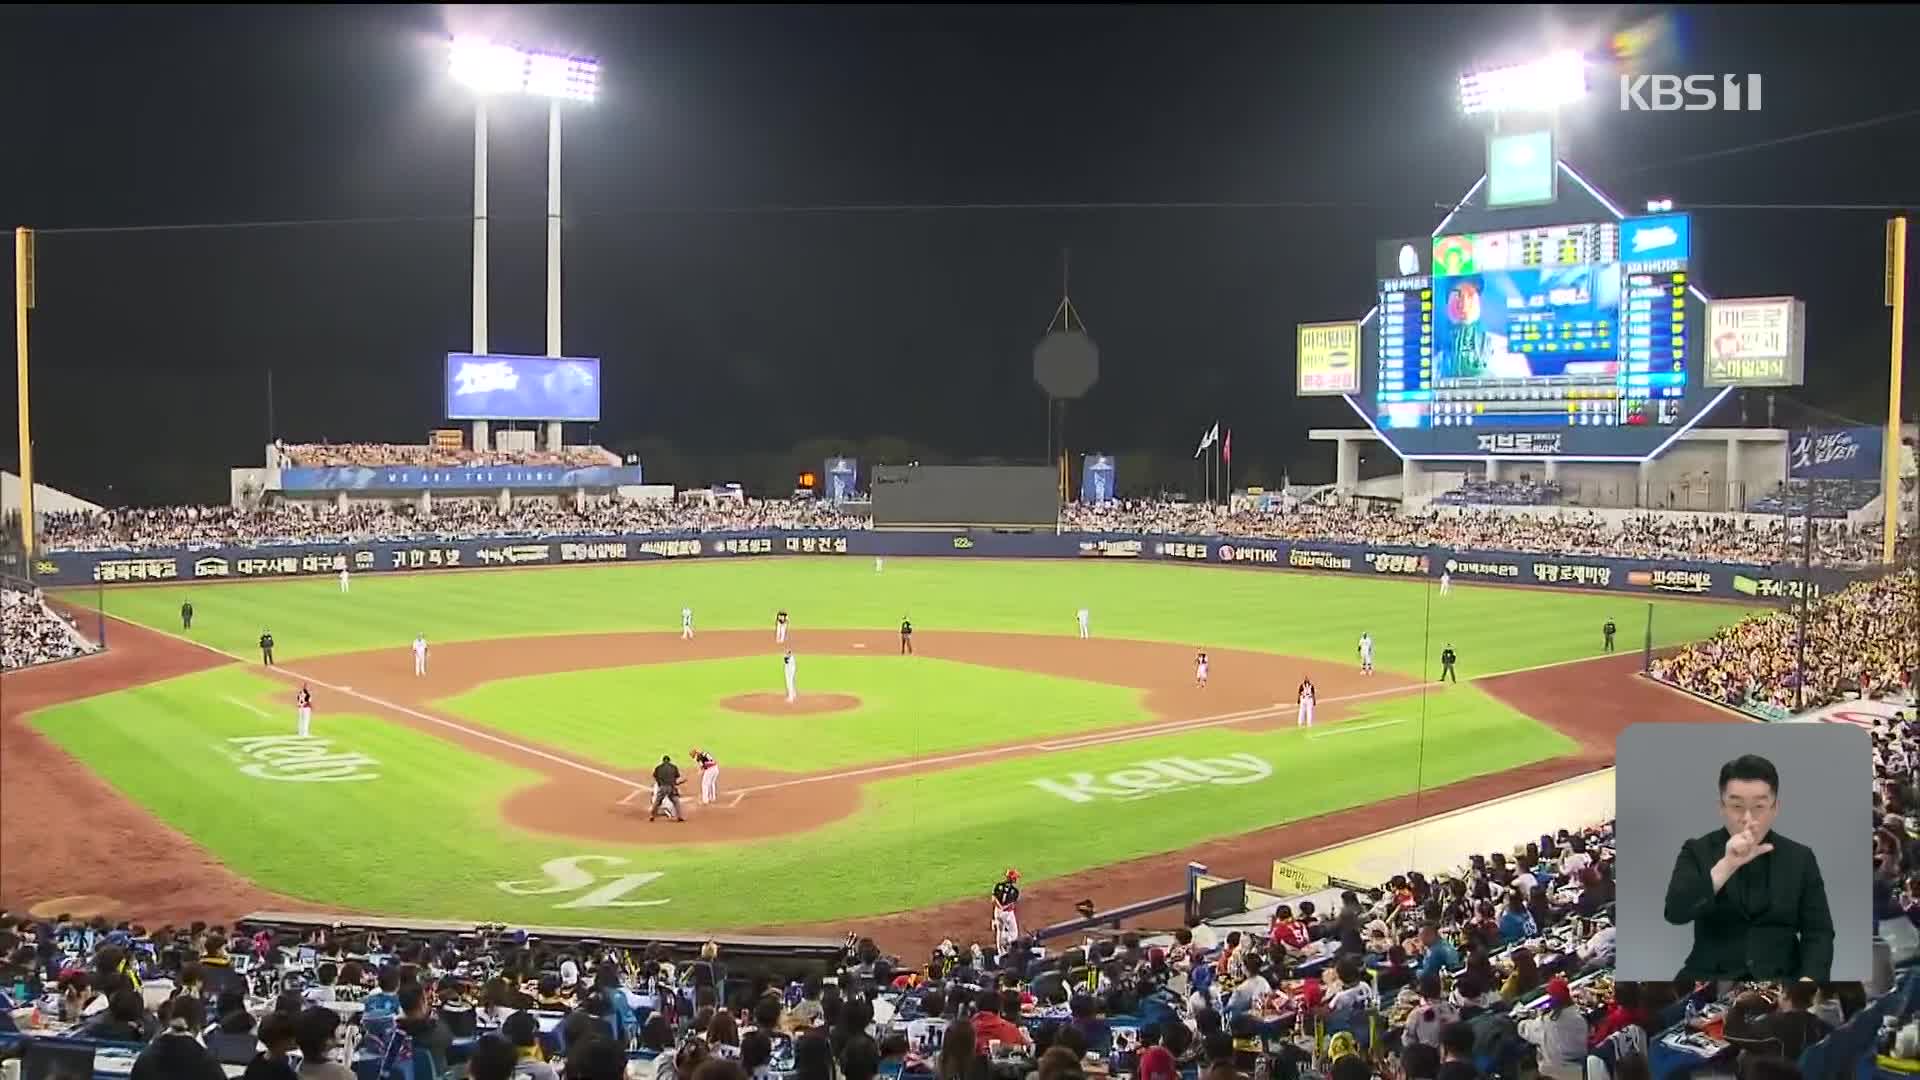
(686,624)
(1366,654)
(1006,918)
(1446,582)
(304,702)
(1304,718)
(420,654)
(878,562)
(1084,634)
(1200,671)
(343,581)
(780,628)
(787,665)
(709,775)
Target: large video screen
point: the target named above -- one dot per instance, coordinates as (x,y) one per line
(496,387)
(1555,339)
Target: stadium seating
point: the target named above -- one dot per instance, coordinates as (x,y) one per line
(32,633)
(1500,493)
(374,455)
(1831,498)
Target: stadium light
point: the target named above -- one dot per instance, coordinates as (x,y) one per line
(1659,206)
(491,69)
(1540,86)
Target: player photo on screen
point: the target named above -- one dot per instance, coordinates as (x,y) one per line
(1744,852)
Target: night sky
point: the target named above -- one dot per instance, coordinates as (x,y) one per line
(739,320)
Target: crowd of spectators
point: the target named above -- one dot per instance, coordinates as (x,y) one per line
(1858,641)
(33,633)
(1831,498)
(1506,959)
(377,455)
(1699,537)
(1501,493)
(294,523)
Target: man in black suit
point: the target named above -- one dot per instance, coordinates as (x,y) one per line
(1755,899)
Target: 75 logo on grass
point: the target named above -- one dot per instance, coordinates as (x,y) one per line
(569,874)
(1161,777)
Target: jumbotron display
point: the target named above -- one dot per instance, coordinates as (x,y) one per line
(1538,340)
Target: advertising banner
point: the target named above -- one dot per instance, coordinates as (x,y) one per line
(1096,478)
(463,478)
(1836,454)
(500,387)
(1328,359)
(843,478)
(1760,341)
(1676,578)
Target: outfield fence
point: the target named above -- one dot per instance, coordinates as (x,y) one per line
(1733,581)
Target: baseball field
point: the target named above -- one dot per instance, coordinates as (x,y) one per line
(510,782)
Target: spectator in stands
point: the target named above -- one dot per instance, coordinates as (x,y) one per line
(756,1054)
(124,1021)
(316,1030)
(177,1053)
(1456,1053)
(860,1058)
(1517,923)
(492,1058)
(522,1030)
(1431,1016)
(812,1057)
(1395,973)
(428,1034)
(597,1058)
(1420,1062)
(1523,980)
(279,1034)
(1438,954)
(1786,1030)
(716,1068)
(1559,1034)
(990,1027)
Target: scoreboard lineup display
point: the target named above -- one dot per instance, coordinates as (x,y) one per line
(1543,339)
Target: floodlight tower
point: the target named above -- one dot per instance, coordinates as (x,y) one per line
(490,69)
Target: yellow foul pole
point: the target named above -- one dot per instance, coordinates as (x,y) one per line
(22,301)
(1890,447)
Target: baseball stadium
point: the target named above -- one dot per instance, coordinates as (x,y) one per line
(530,722)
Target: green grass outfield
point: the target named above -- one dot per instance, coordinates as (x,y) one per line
(625,716)
(1319,615)
(420,831)
(423,836)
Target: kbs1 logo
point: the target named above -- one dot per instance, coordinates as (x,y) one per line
(1689,93)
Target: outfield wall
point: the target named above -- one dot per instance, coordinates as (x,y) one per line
(1724,580)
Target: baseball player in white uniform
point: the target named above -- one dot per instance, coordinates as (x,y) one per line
(780,628)
(709,776)
(1304,718)
(1084,633)
(1446,582)
(420,655)
(343,581)
(787,664)
(304,702)
(878,562)
(686,624)
(1366,654)
(1200,671)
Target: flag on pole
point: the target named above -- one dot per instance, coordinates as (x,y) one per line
(1207,440)
(1226,446)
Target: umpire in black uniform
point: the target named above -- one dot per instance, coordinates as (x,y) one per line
(186,615)
(666,788)
(1446,664)
(266,647)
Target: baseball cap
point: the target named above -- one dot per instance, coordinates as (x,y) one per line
(1558,990)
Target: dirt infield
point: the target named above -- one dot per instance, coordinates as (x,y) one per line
(70,841)
(771,704)
(66,834)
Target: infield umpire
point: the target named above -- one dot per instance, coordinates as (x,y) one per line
(666,788)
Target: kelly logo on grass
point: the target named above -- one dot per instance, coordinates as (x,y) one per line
(298,759)
(1150,778)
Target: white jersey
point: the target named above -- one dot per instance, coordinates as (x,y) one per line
(686,616)
(789,663)
(1366,646)
(419,646)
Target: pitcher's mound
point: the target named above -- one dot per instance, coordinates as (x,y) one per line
(776,704)
(79,907)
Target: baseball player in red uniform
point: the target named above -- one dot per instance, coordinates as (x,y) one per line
(1006,920)
(709,775)
(303,701)
(1200,671)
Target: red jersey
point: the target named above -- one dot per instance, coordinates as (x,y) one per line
(705,760)
(306,698)
(1290,933)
